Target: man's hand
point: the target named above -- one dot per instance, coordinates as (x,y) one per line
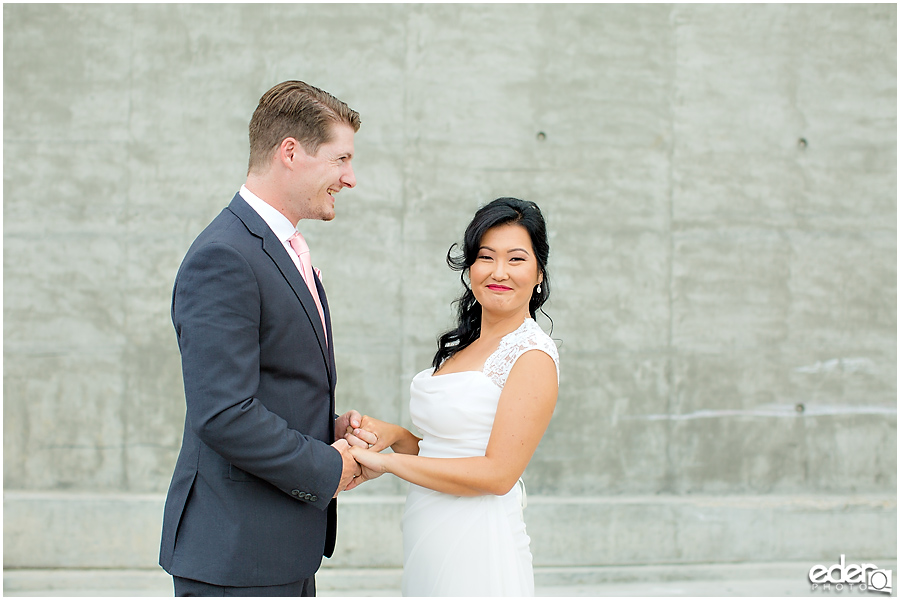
(346,426)
(351,467)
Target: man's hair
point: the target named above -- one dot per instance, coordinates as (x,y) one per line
(298,110)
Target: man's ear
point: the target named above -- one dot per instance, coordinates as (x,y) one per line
(287,151)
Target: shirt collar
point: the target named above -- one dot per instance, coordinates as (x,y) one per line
(277,222)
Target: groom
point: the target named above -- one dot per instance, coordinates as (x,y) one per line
(250,508)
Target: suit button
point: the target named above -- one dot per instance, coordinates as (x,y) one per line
(307,496)
(313,499)
(296,493)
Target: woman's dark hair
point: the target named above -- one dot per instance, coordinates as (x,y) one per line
(502,211)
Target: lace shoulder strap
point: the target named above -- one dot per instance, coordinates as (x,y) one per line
(513,345)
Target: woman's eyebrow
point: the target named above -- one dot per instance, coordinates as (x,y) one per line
(508,251)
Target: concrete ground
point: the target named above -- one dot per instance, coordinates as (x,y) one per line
(673,589)
(760,580)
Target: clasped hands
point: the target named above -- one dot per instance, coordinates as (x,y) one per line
(359,443)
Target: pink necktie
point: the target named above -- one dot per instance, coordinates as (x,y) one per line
(302,249)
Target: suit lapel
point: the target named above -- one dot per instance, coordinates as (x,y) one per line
(331,362)
(273,247)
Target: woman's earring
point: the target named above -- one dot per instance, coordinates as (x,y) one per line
(539,288)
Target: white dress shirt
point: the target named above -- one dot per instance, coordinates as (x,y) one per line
(277,222)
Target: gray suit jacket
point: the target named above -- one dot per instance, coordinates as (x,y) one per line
(250,503)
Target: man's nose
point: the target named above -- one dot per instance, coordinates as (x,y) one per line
(349,178)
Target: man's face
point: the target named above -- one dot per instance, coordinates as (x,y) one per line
(319,177)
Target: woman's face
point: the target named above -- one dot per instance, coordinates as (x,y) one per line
(505,271)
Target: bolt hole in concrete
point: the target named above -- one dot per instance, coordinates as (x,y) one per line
(541,136)
(802,143)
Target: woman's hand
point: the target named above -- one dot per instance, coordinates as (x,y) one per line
(378,434)
(344,426)
(366,473)
(372,463)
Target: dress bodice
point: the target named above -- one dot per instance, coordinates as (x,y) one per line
(455,412)
(467,545)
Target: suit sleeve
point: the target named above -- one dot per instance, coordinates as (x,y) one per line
(216,312)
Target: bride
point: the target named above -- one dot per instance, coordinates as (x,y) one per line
(481,409)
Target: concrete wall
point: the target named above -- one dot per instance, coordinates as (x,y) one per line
(721,190)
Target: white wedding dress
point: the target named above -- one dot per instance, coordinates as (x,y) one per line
(467,546)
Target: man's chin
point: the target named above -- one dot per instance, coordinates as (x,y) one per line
(326,214)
